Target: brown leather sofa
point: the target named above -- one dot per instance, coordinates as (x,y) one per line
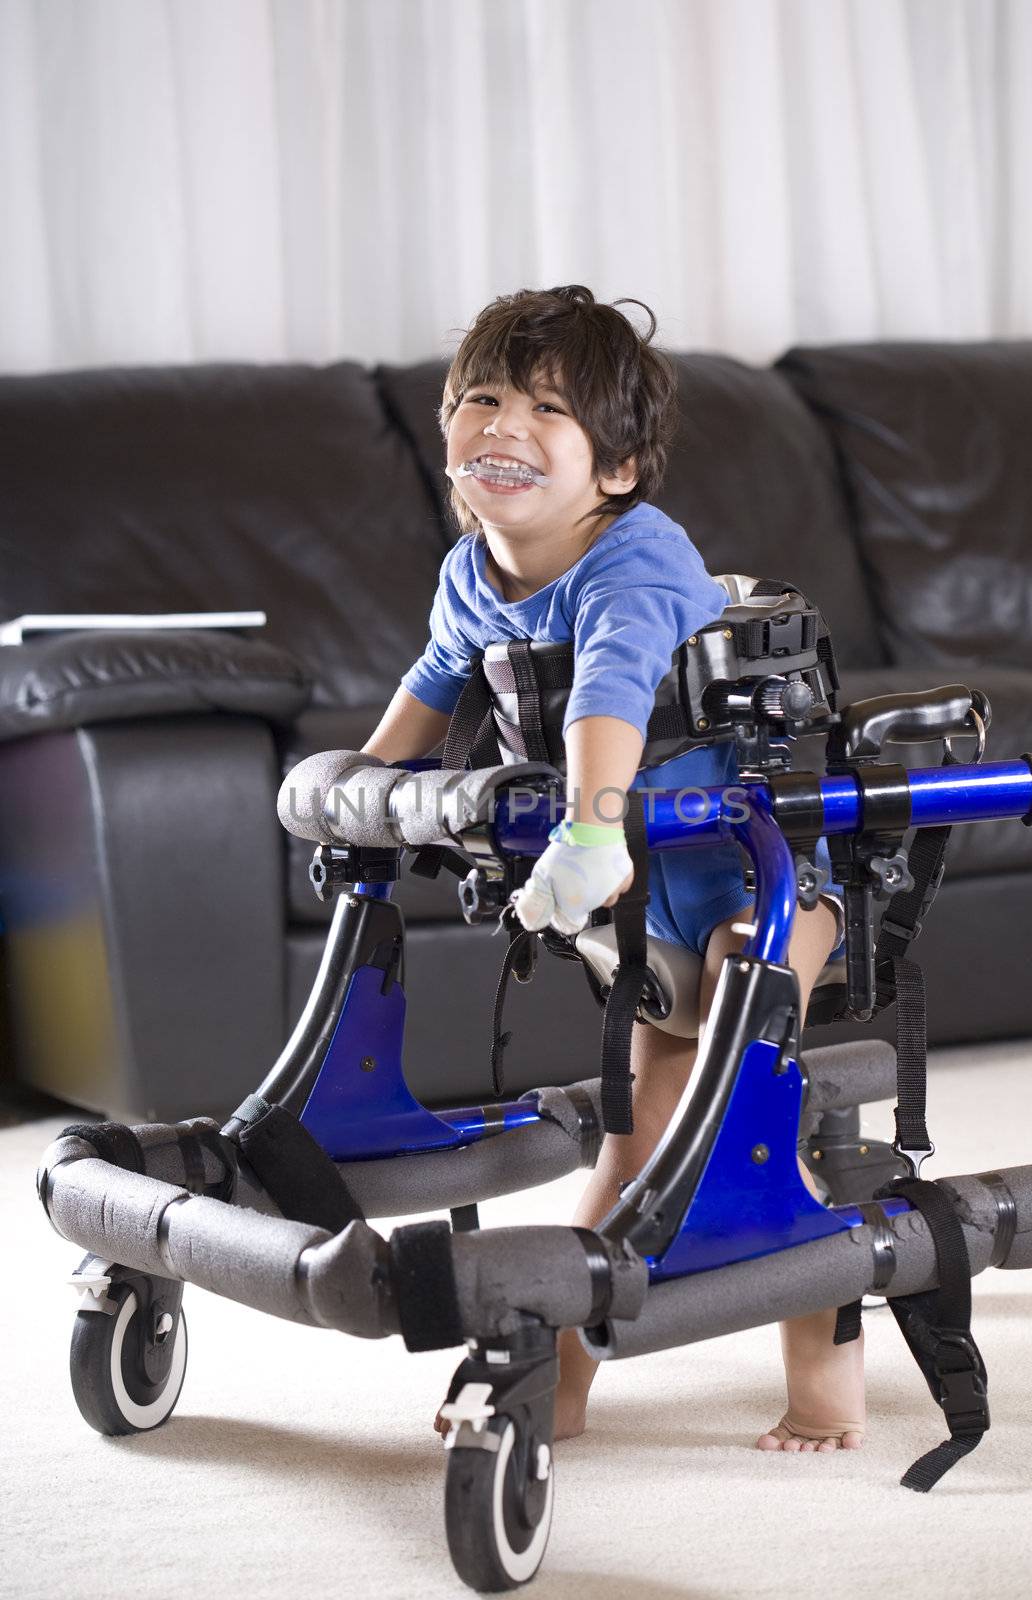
(160,931)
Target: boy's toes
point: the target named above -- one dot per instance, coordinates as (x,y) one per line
(785,1437)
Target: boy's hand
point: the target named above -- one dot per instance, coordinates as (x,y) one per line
(583,868)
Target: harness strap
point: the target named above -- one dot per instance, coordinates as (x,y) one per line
(630,978)
(528,700)
(937,1328)
(470,738)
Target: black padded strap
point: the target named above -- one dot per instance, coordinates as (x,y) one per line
(296,1172)
(423,1279)
(937,1328)
(112,1141)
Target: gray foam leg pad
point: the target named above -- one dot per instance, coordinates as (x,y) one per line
(813,1277)
(155,1227)
(504,1163)
(501,1272)
(852,1074)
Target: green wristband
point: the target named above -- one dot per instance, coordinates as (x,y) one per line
(585,833)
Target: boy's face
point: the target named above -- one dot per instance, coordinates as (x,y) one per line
(538,429)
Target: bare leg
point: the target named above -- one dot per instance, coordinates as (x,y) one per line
(825,1381)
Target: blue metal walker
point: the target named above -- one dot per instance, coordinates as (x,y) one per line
(716,1233)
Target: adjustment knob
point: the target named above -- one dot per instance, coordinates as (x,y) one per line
(791,702)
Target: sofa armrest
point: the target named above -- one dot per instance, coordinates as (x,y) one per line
(142,892)
(73,680)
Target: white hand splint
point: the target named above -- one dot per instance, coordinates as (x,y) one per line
(568,882)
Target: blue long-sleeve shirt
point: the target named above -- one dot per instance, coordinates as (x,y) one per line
(638,592)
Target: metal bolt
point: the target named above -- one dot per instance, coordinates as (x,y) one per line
(728,634)
(817,1155)
(807,881)
(865,1150)
(368,1063)
(760,1154)
(693,639)
(743,966)
(704,722)
(892,875)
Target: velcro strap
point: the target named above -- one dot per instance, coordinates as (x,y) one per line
(937,1328)
(423,1279)
(113,1142)
(296,1172)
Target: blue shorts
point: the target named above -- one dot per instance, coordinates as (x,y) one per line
(692,891)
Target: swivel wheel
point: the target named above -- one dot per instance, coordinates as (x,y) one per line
(128,1355)
(498,1502)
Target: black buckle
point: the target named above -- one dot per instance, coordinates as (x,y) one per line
(962,1393)
(896,930)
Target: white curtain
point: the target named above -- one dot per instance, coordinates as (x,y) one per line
(186,180)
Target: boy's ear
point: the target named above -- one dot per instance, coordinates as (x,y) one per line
(623,480)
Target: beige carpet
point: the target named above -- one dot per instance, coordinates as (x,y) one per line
(302,1463)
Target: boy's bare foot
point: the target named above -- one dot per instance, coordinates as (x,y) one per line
(825,1389)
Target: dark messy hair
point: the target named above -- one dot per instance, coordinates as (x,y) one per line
(620,390)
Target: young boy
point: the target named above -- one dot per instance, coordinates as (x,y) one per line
(554,382)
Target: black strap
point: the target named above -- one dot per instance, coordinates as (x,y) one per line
(911,1057)
(430,858)
(530,711)
(295,1170)
(113,1142)
(519,959)
(470,738)
(425,1290)
(847,1322)
(630,979)
(937,1328)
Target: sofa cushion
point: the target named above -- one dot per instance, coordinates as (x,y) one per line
(280,488)
(752,478)
(750,473)
(71,680)
(933,442)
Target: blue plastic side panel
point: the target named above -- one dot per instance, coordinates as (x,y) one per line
(744,1206)
(360,1111)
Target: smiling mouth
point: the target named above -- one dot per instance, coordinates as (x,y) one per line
(503,471)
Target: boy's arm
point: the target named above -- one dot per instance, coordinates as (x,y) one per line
(602,757)
(407,730)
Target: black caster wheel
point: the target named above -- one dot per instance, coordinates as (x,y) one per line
(498,1504)
(128,1356)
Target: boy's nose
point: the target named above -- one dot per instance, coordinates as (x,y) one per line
(507,422)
